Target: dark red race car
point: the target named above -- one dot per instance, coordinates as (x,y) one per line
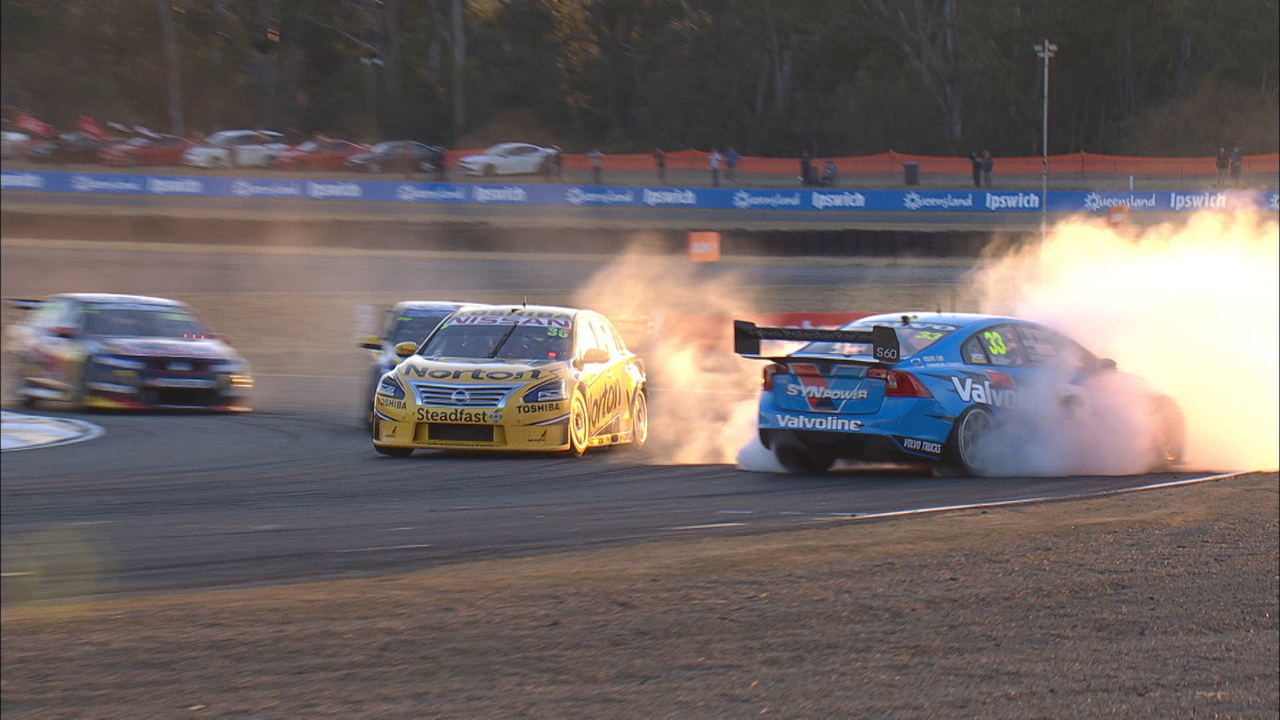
(143,150)
(317,155)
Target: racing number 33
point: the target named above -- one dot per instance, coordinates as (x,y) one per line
(995,343)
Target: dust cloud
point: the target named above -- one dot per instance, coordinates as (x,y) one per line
(676,316)
(1192,310)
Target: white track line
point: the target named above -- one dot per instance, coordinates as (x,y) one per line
(1025,501)
(28,432)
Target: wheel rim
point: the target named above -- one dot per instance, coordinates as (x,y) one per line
(578,426)
(640,420)
(974,430)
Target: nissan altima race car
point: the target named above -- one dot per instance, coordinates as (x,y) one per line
(410,321)
(951,388)
(512,377)
(124,351)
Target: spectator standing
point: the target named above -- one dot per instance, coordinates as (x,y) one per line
(830,173)
(714,163)
(597,165)
(975,159)
(1222,163)
(806,169)
(731,159)
(660,160)
(988,168)
(1236,158)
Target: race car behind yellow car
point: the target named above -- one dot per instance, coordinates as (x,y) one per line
(513,377)
(98,350)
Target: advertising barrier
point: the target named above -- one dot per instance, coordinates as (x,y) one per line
(816,201)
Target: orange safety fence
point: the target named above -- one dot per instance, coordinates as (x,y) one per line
(891,163)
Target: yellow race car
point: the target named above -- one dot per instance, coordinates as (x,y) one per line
(513,377)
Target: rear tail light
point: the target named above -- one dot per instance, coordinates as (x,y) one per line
(899,384)
(766,380)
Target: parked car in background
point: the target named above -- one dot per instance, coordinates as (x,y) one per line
(392,156)
(146,150)
(253,148)
(509,159)
(325,154)
(11,143)
(69,147)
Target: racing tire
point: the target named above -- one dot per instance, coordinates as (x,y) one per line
(802,461)
(1170,441)
(579,429)
(490,171)
(639,420)
(964,451)
(397,452)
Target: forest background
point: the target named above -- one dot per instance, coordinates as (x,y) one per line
(768,77)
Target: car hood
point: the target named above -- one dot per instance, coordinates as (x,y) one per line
(166,347)
(480,371)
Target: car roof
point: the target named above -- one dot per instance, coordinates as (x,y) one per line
(959,320)
(487,309)
(432,305)
(118,298)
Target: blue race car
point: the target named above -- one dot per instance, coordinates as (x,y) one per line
(941,387)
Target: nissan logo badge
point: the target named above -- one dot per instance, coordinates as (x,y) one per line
(460,396)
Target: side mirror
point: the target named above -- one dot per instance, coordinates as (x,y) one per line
(405,349)
(63,332)
(595,356)
(371,343)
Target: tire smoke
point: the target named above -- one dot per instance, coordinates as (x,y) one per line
(1193,310)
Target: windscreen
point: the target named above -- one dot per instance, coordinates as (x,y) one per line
(505,342)
(415,325)
(142,321)
(912,339)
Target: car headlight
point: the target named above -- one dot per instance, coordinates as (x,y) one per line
(546,392)
(390,387)
(120,362)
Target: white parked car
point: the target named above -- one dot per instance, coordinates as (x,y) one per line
(236,147)
(12,142)
(509,159)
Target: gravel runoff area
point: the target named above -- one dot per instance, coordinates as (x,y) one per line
(1156,603)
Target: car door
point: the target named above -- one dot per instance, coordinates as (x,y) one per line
(249,150)
(60,345)
(1002,371)
(595,374)
(607,409)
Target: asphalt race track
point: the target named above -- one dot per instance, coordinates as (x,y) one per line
(294,491)
(165,502)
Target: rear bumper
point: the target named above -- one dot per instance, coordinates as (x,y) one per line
(903,428)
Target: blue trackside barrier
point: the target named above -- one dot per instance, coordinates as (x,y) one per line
(833,201)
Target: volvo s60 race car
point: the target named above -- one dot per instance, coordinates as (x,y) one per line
(410,321)
(511,377)
(948,388)
(124,351)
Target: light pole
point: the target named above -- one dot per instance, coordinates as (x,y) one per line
(1045,50)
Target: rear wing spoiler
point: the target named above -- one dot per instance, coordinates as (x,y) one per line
(882,338)
(24,304)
